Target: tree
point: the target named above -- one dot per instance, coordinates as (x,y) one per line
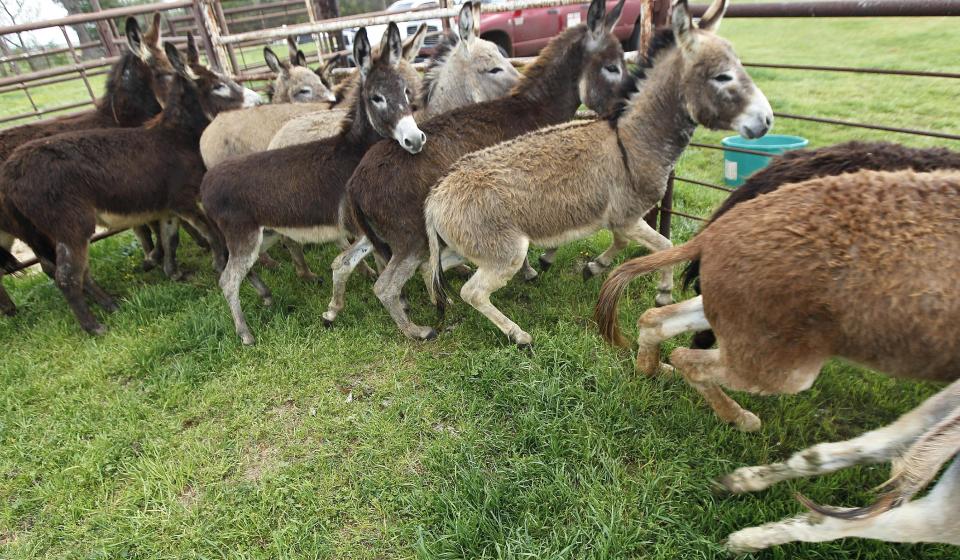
(14,12)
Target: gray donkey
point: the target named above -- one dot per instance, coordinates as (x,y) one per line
(566,182)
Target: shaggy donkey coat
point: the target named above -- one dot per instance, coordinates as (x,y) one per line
(240,133)
(919,443)
(463,70)
(566,182)
(59,188)
(861,266)
(800,165)
(387,191)
(296,191)
(135,82)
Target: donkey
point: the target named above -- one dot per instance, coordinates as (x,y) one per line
(801,165)
(246,132)
(296,191)
(827,267)
(295,83)
(136,81)
(464,69)
(387,191)
(919,443)
(566,182)
(58,189)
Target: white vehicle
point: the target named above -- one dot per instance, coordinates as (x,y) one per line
(407,28)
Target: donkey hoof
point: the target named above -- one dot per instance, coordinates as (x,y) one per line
(311,278)
(431,334)
(592,269)
(266,261)
(268,301)
(544,263)
(247,339)
(530,275)
(96,330)
(327,323)
(10,311)
(747,422)
(147,265)
(664,298)
(525,347)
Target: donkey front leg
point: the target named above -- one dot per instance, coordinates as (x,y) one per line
(488,279)
(876,446)
(7,307)
(299,260)
(388,286)
(70,277)
(933,518)
(170,240)
(243,248)
(342,267)
(152,254)
(642,233)
(196,218)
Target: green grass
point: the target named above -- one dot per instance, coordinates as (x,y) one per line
(167,439)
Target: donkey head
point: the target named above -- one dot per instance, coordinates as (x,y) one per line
(466,70)
(157,70)
(383,91)
(217,91)
(603,71)
(296,84)
(716,89)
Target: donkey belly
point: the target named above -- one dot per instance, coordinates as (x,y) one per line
(313,234)
(556,239)
(113,220)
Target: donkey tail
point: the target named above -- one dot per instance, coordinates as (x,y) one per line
(605,313)
(440,284)
(363,224)
(42,246)
(912,472)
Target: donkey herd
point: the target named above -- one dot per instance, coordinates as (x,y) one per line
(846,251)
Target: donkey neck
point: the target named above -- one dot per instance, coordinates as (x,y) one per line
(357,129)
(184,114)
(552,83)
(656,127)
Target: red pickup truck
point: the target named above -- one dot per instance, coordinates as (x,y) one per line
(525,32)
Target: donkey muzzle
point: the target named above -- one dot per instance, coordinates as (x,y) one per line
(757,119)
(409,135)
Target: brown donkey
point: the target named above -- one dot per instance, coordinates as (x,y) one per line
(135,83)
(387,191)
(564,183)
(59,189)
(827,267)
(296,191)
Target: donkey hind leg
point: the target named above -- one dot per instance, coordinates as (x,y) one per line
(642,233)
(98,294)
(7,307)
(876,446)
(170,239)
(933,518)
(198,237)
(388,287)
(152,253)
(342,267)
(602,262)
(547,258)
(703,370)
(243,253)
(343,244)
(70,276)
(661,323)
(208,230)
(299,260)
(488,279)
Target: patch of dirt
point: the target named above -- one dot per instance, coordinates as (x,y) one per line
(259,461)
(188,496)
(7,537)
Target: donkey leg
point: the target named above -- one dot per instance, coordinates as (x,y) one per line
(661,323)
(208,230)
(933,518)
(71,271)
(387,288)
(152,254)
(486,280)
(365,268)
(99,295)
(244,249)
(299,260)
(642,233)
(703,369)
(170,239)
(547,258)
(602,262)
(7,307)
(876,446)
(198,237)
(342,267)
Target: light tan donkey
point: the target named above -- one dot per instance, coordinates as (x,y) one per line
(566,182)
(860,266)
(463,70)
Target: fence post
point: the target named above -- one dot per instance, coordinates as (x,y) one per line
(104,31)
(209,29)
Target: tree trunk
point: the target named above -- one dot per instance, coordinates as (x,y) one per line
(85,32)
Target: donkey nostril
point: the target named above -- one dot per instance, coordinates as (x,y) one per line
(768,119)
(423,137)
(406,142)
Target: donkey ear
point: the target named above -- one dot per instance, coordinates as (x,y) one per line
(711,18)
(272,61)
(391,47)
(595,18)
(301,59)
(682,24)
(325,71)
(152,37)
(614,16)
(175,59)
(413,44)
(292,49)
(132,30)
(193,53)
(362,52)
(465,26)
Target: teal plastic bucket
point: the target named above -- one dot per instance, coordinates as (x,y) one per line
(737,166)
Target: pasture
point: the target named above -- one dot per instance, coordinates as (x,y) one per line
(167,439)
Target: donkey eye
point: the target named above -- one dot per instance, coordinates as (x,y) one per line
(495,70)
(613,69)
(305,91)
(377,99)
(722,78)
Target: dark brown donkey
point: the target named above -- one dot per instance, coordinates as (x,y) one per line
(136,81)
(58,189)
(296,191)
(386,193)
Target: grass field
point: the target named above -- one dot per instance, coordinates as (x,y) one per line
(167,439)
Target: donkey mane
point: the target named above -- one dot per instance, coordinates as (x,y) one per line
(535,76)
(663,40)
(441,52)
